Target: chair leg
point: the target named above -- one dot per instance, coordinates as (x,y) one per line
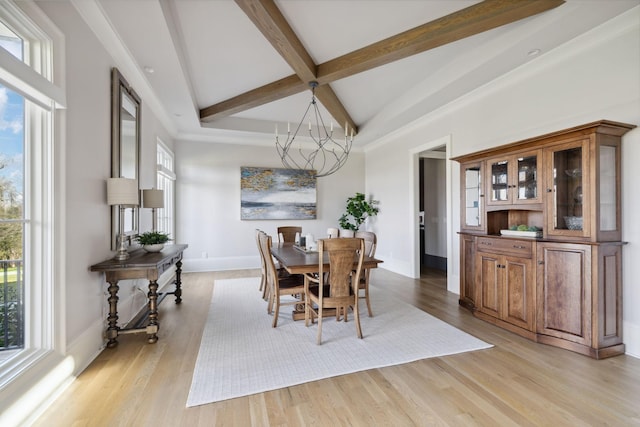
(264,287)
(275,315)
(357,319)
(307,310)
(319,338)
(270,303)
(366,297)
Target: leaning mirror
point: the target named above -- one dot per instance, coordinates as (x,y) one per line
(125,150)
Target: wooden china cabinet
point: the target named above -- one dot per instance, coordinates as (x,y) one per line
(558,282)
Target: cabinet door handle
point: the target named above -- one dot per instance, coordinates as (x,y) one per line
(519,247)
(485,243)
(549,190)
(540,262)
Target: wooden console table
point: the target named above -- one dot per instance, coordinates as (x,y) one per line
(140,265)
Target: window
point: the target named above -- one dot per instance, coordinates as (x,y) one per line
(30,316)
(166,181)
(12,222)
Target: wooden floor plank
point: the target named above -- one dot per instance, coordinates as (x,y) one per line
(517,382)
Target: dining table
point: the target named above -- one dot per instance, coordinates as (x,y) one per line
(297,260)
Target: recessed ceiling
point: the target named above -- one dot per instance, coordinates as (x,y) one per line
(206,52)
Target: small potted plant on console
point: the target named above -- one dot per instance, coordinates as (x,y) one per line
(153,241)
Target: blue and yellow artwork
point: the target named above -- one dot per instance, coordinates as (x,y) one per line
(270,193)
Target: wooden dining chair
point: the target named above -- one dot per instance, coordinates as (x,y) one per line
(287,234)
(280,285)
(339,288)
(263,266)
(370,244)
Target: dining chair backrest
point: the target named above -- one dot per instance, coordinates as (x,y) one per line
(270,268)
(288,233)
(342,254)
(263,266)
(370,242)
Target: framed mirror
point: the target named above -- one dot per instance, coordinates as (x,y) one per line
(125,150)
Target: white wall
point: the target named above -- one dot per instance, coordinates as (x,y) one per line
(208,202)
(594,77)
(87,158)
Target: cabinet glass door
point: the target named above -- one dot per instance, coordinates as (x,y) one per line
(473,196)
(567,188)
(527,176)
(608,188)
(499,181)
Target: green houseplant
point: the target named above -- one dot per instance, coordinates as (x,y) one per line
(358,209)
(153,241)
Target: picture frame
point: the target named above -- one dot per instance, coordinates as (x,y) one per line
(274,193)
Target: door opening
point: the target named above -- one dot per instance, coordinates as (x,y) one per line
(432,203)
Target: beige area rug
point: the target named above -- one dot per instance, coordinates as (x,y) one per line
(241,354)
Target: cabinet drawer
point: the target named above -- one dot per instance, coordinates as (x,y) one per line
(522,248)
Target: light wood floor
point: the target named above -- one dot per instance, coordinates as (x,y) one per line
(515,383)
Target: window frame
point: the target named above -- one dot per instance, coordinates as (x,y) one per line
(165,180)
(31,375)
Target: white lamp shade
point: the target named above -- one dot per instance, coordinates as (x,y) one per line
(122,191)
(153,198)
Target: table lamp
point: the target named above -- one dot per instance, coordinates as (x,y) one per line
(153,199)
(122,192)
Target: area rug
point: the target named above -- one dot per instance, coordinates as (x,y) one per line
(241,354)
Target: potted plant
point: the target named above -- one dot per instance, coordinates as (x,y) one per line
(153,241)
(358,209)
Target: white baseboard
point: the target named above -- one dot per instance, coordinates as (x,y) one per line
(87,346)
(631,339)
(397,266)
(453,283)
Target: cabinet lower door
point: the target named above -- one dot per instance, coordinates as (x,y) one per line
(519,292)
(489,278)
(564,291)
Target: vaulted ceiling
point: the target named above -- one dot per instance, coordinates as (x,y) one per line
(230,71)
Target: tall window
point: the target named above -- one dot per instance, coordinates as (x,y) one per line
(29,321)
(12,218)
(166,181)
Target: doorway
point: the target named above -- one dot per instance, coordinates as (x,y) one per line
(432,202)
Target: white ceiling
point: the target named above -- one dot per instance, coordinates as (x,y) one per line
(206,51)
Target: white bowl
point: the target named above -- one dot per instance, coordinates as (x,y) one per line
(153,248)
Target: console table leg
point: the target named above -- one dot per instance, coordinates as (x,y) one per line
(178,291)
(152,327)
(112,318)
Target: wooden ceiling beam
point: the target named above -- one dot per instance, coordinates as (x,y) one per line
(464,23)
(333,105)
(263,95)
(267,17)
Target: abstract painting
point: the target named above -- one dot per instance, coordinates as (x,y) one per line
(270,193)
